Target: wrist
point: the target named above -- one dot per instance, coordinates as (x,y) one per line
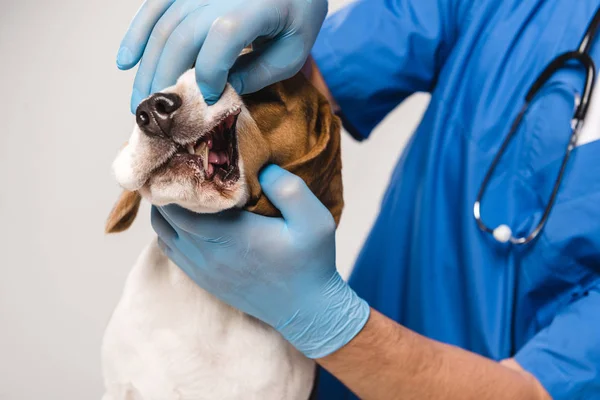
(327,321)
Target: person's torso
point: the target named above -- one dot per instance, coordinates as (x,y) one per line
(426,264)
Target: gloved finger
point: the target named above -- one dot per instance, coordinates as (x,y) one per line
(135,39)
(173,251)
(215,228)
(180,259)
(164,247)
(192,223)
(195,268)
(182,47)
(161,226)
(275,62)
(145,74)
(302,211)
(163,32)
(226,39)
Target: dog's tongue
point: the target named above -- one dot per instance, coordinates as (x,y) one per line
(215,158)
(218,158)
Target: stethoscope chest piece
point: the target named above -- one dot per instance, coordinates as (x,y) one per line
(503,233)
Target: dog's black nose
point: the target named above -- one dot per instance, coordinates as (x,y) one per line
(154,115)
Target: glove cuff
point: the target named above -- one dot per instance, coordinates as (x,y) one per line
(329,323)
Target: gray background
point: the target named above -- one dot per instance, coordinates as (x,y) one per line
(64,112)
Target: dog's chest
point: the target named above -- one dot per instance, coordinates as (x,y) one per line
(168,339)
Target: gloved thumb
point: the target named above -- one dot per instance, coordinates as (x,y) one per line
(300,208)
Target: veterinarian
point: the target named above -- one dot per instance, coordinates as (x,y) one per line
(475,283)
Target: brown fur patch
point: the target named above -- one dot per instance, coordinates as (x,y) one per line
(302,135)
(294,127)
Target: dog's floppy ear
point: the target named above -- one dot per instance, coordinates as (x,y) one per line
(321,166)
(124,212)
(304,138)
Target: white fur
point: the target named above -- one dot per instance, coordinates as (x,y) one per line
(124,166)
(168,339)
(204,202)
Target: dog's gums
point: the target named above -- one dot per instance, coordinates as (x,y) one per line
(216,153)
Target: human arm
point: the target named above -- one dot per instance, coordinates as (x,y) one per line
(388,361)
(282,271)
(373,54)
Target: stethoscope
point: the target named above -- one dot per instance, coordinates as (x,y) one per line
(502,233)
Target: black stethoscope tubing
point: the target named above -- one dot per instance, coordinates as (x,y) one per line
(503,233)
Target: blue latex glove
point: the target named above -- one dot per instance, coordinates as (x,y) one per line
(168,36)
(281,271)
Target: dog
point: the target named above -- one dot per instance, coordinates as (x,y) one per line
(168,339)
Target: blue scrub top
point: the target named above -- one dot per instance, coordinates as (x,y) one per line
(425,263)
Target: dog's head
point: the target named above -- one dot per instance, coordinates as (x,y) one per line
(207,158)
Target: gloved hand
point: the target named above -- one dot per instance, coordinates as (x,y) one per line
(281,271)
(168,35)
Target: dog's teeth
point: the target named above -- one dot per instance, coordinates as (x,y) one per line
(202,151)
(190,148)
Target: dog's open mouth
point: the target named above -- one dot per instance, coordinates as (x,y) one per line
(216,152)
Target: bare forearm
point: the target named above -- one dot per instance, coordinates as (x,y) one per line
(387,361)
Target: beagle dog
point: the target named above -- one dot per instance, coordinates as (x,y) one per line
(168,339)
